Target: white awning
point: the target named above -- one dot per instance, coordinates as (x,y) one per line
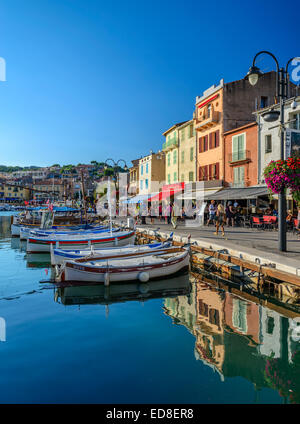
(140,198)
(198,195)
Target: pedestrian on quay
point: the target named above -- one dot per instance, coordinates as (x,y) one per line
(173,217)
(169,212)
(211,212)
(220,219)
(230,212)
(160,211)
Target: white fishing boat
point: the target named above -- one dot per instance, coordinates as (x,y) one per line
(58,256)
(25,232)
(38,244)
(136,266)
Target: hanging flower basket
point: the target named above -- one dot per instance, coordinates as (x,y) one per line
(284,174)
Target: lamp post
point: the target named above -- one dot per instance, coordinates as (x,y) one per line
(282,78)
(115,165)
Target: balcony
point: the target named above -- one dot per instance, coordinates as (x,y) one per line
(239,157)
(207,121)
(170,144)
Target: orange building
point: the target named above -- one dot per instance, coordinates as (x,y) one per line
(222,108)
(241,156)
(243,318)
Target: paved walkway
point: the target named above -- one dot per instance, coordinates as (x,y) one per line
(239,240)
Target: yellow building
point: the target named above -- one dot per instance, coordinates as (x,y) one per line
(187,152)
(10,192)
(171,149)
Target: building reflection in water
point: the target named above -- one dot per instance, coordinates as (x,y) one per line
(239,338)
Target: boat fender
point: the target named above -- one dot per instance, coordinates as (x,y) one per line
(144,288)
(106,279)
(143,277)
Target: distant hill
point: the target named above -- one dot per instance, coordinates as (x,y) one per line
(4,168)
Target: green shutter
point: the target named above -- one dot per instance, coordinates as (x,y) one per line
(192,153)
(239,176)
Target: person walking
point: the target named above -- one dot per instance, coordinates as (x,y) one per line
(230,214)
(211,212)
(173,218)
(220,219)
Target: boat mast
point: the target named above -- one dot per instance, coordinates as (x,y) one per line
(83,196)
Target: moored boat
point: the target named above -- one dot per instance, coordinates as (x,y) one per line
(38,244)
(58,256)
(135,266)
(25,232)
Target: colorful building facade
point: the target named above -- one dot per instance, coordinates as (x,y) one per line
(171,150)
(241,156)
(187,170)
(151,173)
(222,108)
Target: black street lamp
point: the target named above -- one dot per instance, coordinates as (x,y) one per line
(114,166)
(282,79)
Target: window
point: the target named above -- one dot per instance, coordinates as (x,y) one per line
(295,125)
(208,111)
(169,159)
(182,177)
(182,156)
(175,177)
(191,176)
(270,325)
(175,157)
(239,176)
(147,168)
(203,173)
(203,144)
(239,315)
(192,153)
(238,147)
(142,169)
(183,134)
(141,184)
(268,143)
(169,179)
(263,102)
(191,129)
(146,183)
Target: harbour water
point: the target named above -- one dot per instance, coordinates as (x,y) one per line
(175,341)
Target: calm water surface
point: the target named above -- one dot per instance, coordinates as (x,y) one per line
(168,342)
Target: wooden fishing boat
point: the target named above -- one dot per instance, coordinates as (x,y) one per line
(136,266)
(58,256)
(38,244)
(25,232)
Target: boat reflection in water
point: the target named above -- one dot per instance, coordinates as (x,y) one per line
(38,260)
(240,338)
(76,294)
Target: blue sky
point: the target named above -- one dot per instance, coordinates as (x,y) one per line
(94,79)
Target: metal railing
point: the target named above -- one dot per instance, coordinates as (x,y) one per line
(239,155)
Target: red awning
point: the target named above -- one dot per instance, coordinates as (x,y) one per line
(167,192)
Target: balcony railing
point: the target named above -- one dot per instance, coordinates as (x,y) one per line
(207,120)
(239,156)
(169,144)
